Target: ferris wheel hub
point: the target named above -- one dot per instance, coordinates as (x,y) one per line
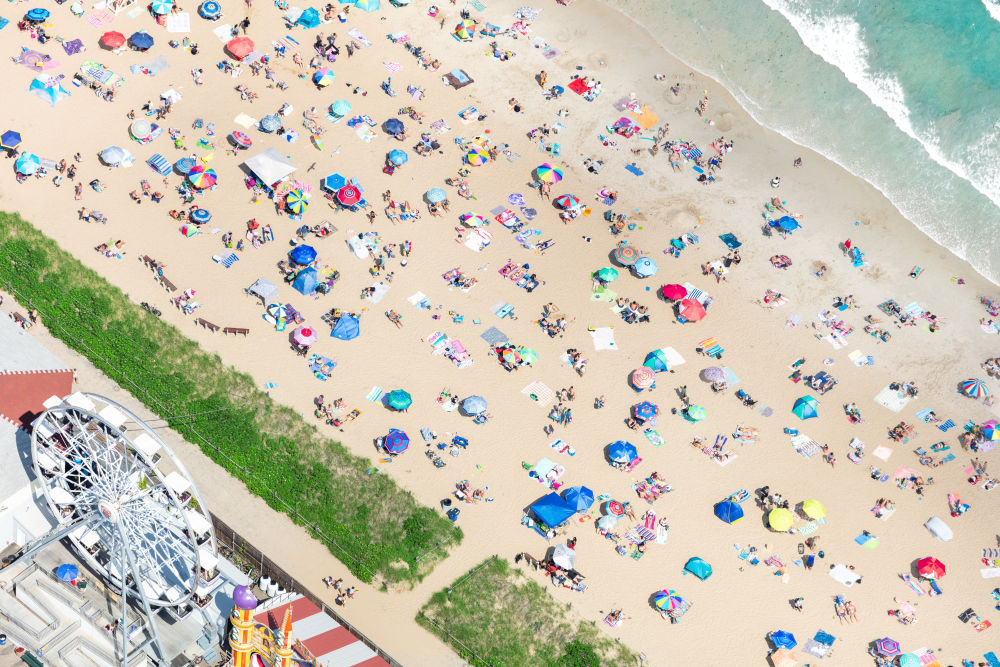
(110,511)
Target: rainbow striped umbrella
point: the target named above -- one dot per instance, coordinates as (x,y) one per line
(626,255)
(477,157)
(974,387)
(548,174)
(511,357)
(323,77)
(296,202)
(668,600)
(472,219)
(202,177)
(566,201)
(242,139)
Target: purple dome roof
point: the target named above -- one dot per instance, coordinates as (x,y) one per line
(244,598)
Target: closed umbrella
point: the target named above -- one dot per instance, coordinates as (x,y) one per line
(240,47)
(436,195)
(398,157)
(567,201)
(242,139)
(546,173)
(210,9)
(200,216)
(930,568)
(477,157)
(729,511)
(645,411)
(399,399)
(622,452)
(607,274)
(626,255)
(348,195)
(579,497)
(10,139)
(296,202)
(393,126)
(781,519)
(695,413)
(656,361)
(645,267)
(564,557)
(474,405)
(974,387)
(305,336)
(67,572)
(323,77)
(340,108)
(27,164)
(814,509)
(713,374)
(783,639)
(113,155)
(202,177)
(692,310)
(673,291)
(161,6)
(303,254)
(643,378)
(806,407)
(887,647)
(141,40)
(396,441)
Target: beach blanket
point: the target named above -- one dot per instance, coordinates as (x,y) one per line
(179,22)
(375,394)
(731,241)
(440,127)
(31,59)
(356,35)
(604,338)
(392,67)
(100,73)
(891,399)
(380,289)
(103,17)
(844,575)
(654,437)
(135,12)
(73,47)
(245,121)
(494,337)
(578,86)
(882,452)
(224,33)
(226,261)
(156,66)
(543,395)
(806,446)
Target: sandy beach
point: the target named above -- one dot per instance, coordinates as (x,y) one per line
(761,340)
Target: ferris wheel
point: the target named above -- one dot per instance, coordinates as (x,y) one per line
(125,503)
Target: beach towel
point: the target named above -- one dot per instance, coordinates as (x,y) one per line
(604,338)
(440,127)
(135,12)
(882,452)
(375,394)
(160,164)
(731,241)
(179,22)
(673,357)
(891,399)
(224,33)
(392,67)
(806,446)
(654,437)
(844,575)
(478,5)
(946,425)
(380,289)
(494,337)
(543,395)
(73,47)
(990,572)
(227,261)
(356,35)
(634,170)
(157,66)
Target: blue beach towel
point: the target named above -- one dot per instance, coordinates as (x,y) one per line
(634,170)
(947,425)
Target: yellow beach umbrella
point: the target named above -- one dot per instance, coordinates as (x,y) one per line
(780,519)
(814,509)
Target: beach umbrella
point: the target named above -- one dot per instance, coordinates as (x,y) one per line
(887,647)
(202,177)
(477,157)
(240,47)
(296,202)
(37,14)
(973,387)
(546,173)
(27,164)
(242,139)
(713,374)
(784,658)
(270,122)
(113,155)
(626,255)
(788,223)
(579,497)
(465,32)
(511,358)
(140,129)
(615,508)
(436,195)
(140,40)
(10,139)
(200,216)
(396,441)
(806,408)
(909,660)
(622,452)
(729,511)
(813,509)
(780,519)
(393,126)
(474,405)
(567,201)
(277,311)
(695,413)
(607,522)
(303,254)
(673,291)
(692,310)
(305,335)
(472,219)
(348,195)
(323,77)
(528,355)
(607,274)
(991,430)
(367,5)
(644,267)
(112,39)
(564,557)
(783,639)
(67,572)
(398,157)
(930,568)
(399,399)
(184,165)
(334,182)
(656,361)
(645,410)
(210,9)
(340,108)
(161,6)
(668,600)
(643,378)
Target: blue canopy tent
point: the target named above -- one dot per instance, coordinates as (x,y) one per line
(367,5)
(305,282)
(51,93)
(309,18)
(579,497)
(346,328)
(699,568)
(552,510)
(303,254)
(729,511)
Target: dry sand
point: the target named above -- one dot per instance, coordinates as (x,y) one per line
(745,603)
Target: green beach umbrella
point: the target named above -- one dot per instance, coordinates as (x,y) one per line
(695,413)
(399,399)
(607,274)
(528,355)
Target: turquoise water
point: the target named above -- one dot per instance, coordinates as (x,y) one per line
(903,93)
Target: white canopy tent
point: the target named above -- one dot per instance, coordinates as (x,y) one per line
(270,166)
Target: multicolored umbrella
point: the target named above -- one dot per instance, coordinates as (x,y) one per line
(546,173)
(202,177)
(668,600)
(973,387)
(210,9)
(695,413)
(27,164)
(528,355)
(477,157)
(348,195)
(729,511)
(398,157)
(781,519)
(615,508)
(567,201)
(323,77)
(783,639)
(991,430)
(140,129)
(10,139)
(340,108)
(472,219)
(399,399)
(242,139)
(806,407)
(296,202)
(673,292)
(645,411)
(200,216)
(930,568)
(692,310)
(305,336)
(713,374)
(622,452)
(161,6)
(511,358)
(814,509)
(436,195)
(626,255)
(643,378)
(240,47)
(656,361)
(396,442)
(465,30)
(887,647)
(607,274)
(644,267)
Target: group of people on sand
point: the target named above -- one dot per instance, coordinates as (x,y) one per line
(631,311)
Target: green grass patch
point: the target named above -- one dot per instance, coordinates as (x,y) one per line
(372,525)
(495,616)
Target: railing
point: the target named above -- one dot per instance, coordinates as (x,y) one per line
(253,562)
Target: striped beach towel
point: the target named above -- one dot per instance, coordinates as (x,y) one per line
(392,67)
(228,261)
(160,164)
(478,5)
(947,425)
(640,534)
(375,394)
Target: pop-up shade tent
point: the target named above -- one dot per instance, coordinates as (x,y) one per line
(305,281)
(270,166)
(699,568)
(346,328)
(264,289)
(552,510)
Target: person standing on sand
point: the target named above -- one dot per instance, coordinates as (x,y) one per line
(542,78)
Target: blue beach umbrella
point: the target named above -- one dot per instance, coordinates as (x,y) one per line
(436,195)
(783,639)
(340,108)
(622,452)
(184,165)
(398,157)
(474,405)
(37,14)
(10,139)
(200,216)
(27,164)
(399,399)
(729,511)
(67,572)
(396,442)
(210,9)
(161,6)
(393,126)
(579,497)
(645,411)
(788,223)
(334,182)
(644,267)
(270,122)
(303,254)
(367,5)
(141,40)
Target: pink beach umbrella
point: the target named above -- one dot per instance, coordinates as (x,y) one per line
(305,336)
(642,378)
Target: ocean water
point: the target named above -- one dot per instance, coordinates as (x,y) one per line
(903,93)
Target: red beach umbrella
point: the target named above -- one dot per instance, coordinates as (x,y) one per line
(112,39)
(930,568)
(673,292)
(692,310)
(348,195)
(240,47)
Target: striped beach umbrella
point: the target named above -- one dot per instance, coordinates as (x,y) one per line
(161,6)
(202,177)
(348,195)
(511,357)
(973,387)
(396,442)
(909,660)
(200,216)
(667,600)
(242,139)
(477,157)
(548,174)
(991,430)
(465,32)
(643,378)
(472,219)
(210,9)
(645,411)
(615,508)
(528,355)
(567,201)
(323,77)
(626,255)
(184,165)
(296,202)
(887,647)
